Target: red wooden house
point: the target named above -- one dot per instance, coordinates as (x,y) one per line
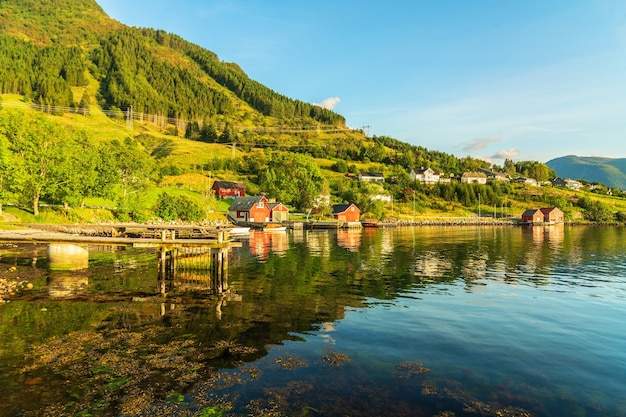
(552,215)
(250,209)
(532,216)
(278,212)
(225,189)
(543,215)
(346,212)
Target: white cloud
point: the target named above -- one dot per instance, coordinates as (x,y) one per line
(478,144)
(504,154)
(329,103)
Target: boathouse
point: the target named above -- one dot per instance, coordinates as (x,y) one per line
(552,215)
(543,215)
(346,212)
(250,209)
(278,212)
(532,216)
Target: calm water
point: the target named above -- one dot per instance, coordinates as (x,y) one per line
(404,322)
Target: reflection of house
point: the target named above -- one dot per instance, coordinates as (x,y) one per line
(474,177)
(346,212)
(278,212)
(250,209)
(425,175)
(229,189)
(371,176)
(543,215)
(349,239)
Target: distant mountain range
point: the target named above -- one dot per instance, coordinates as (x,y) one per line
(611,172)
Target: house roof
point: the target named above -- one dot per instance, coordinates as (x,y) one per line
(474,175)
(341,208)
(372,174)
(547,210)
(530,212)
(422,170)
(272,206)
(245,203)
(229,184)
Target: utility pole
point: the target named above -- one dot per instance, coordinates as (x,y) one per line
(413,206)
(478,205)
(367,129)
(129,118)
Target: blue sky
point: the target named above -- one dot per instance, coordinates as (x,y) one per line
(492,79)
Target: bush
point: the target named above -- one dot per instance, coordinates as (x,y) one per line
(171,208)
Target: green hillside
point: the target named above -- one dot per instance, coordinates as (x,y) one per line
(611,172)
(137,120)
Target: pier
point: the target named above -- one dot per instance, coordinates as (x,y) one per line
(184,263)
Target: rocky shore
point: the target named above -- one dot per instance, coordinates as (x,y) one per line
(11,284)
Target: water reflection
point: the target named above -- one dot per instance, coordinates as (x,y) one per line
(424,321)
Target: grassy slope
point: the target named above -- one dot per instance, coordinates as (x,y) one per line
(188,154)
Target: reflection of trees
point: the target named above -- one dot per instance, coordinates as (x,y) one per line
(300,285)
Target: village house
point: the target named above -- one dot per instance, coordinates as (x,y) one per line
(224,189)
(346,212)
(250,209)
(425,175)
(493,175)
(381,197)
(524,180)
(371,176)
(566,183)
(474,178)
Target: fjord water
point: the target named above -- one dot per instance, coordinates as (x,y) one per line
(464,321)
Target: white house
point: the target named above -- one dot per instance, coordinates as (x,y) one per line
(425,175)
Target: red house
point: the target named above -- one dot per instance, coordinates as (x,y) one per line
(543,215)
(250,209)
(552,215)
(229,189)
(532,216)
(346,212)
(278,212)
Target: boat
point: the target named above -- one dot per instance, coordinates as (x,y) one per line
(239,230)
(274,228)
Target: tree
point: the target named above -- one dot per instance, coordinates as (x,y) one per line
(39,147)
(293,179)
(9,171)
(133,169)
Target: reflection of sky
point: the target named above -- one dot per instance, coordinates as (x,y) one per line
(545,344)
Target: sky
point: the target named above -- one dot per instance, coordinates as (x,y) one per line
(525,80)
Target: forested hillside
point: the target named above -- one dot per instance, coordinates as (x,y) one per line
(139,121)
(46,46)
(611,172)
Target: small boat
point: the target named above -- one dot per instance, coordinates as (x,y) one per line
(239,230)
(274,228)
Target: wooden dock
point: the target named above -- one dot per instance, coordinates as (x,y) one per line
(122,235)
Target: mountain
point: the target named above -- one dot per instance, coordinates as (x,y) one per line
(69,53)
(608,171)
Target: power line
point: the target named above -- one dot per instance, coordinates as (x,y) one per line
(129,116)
